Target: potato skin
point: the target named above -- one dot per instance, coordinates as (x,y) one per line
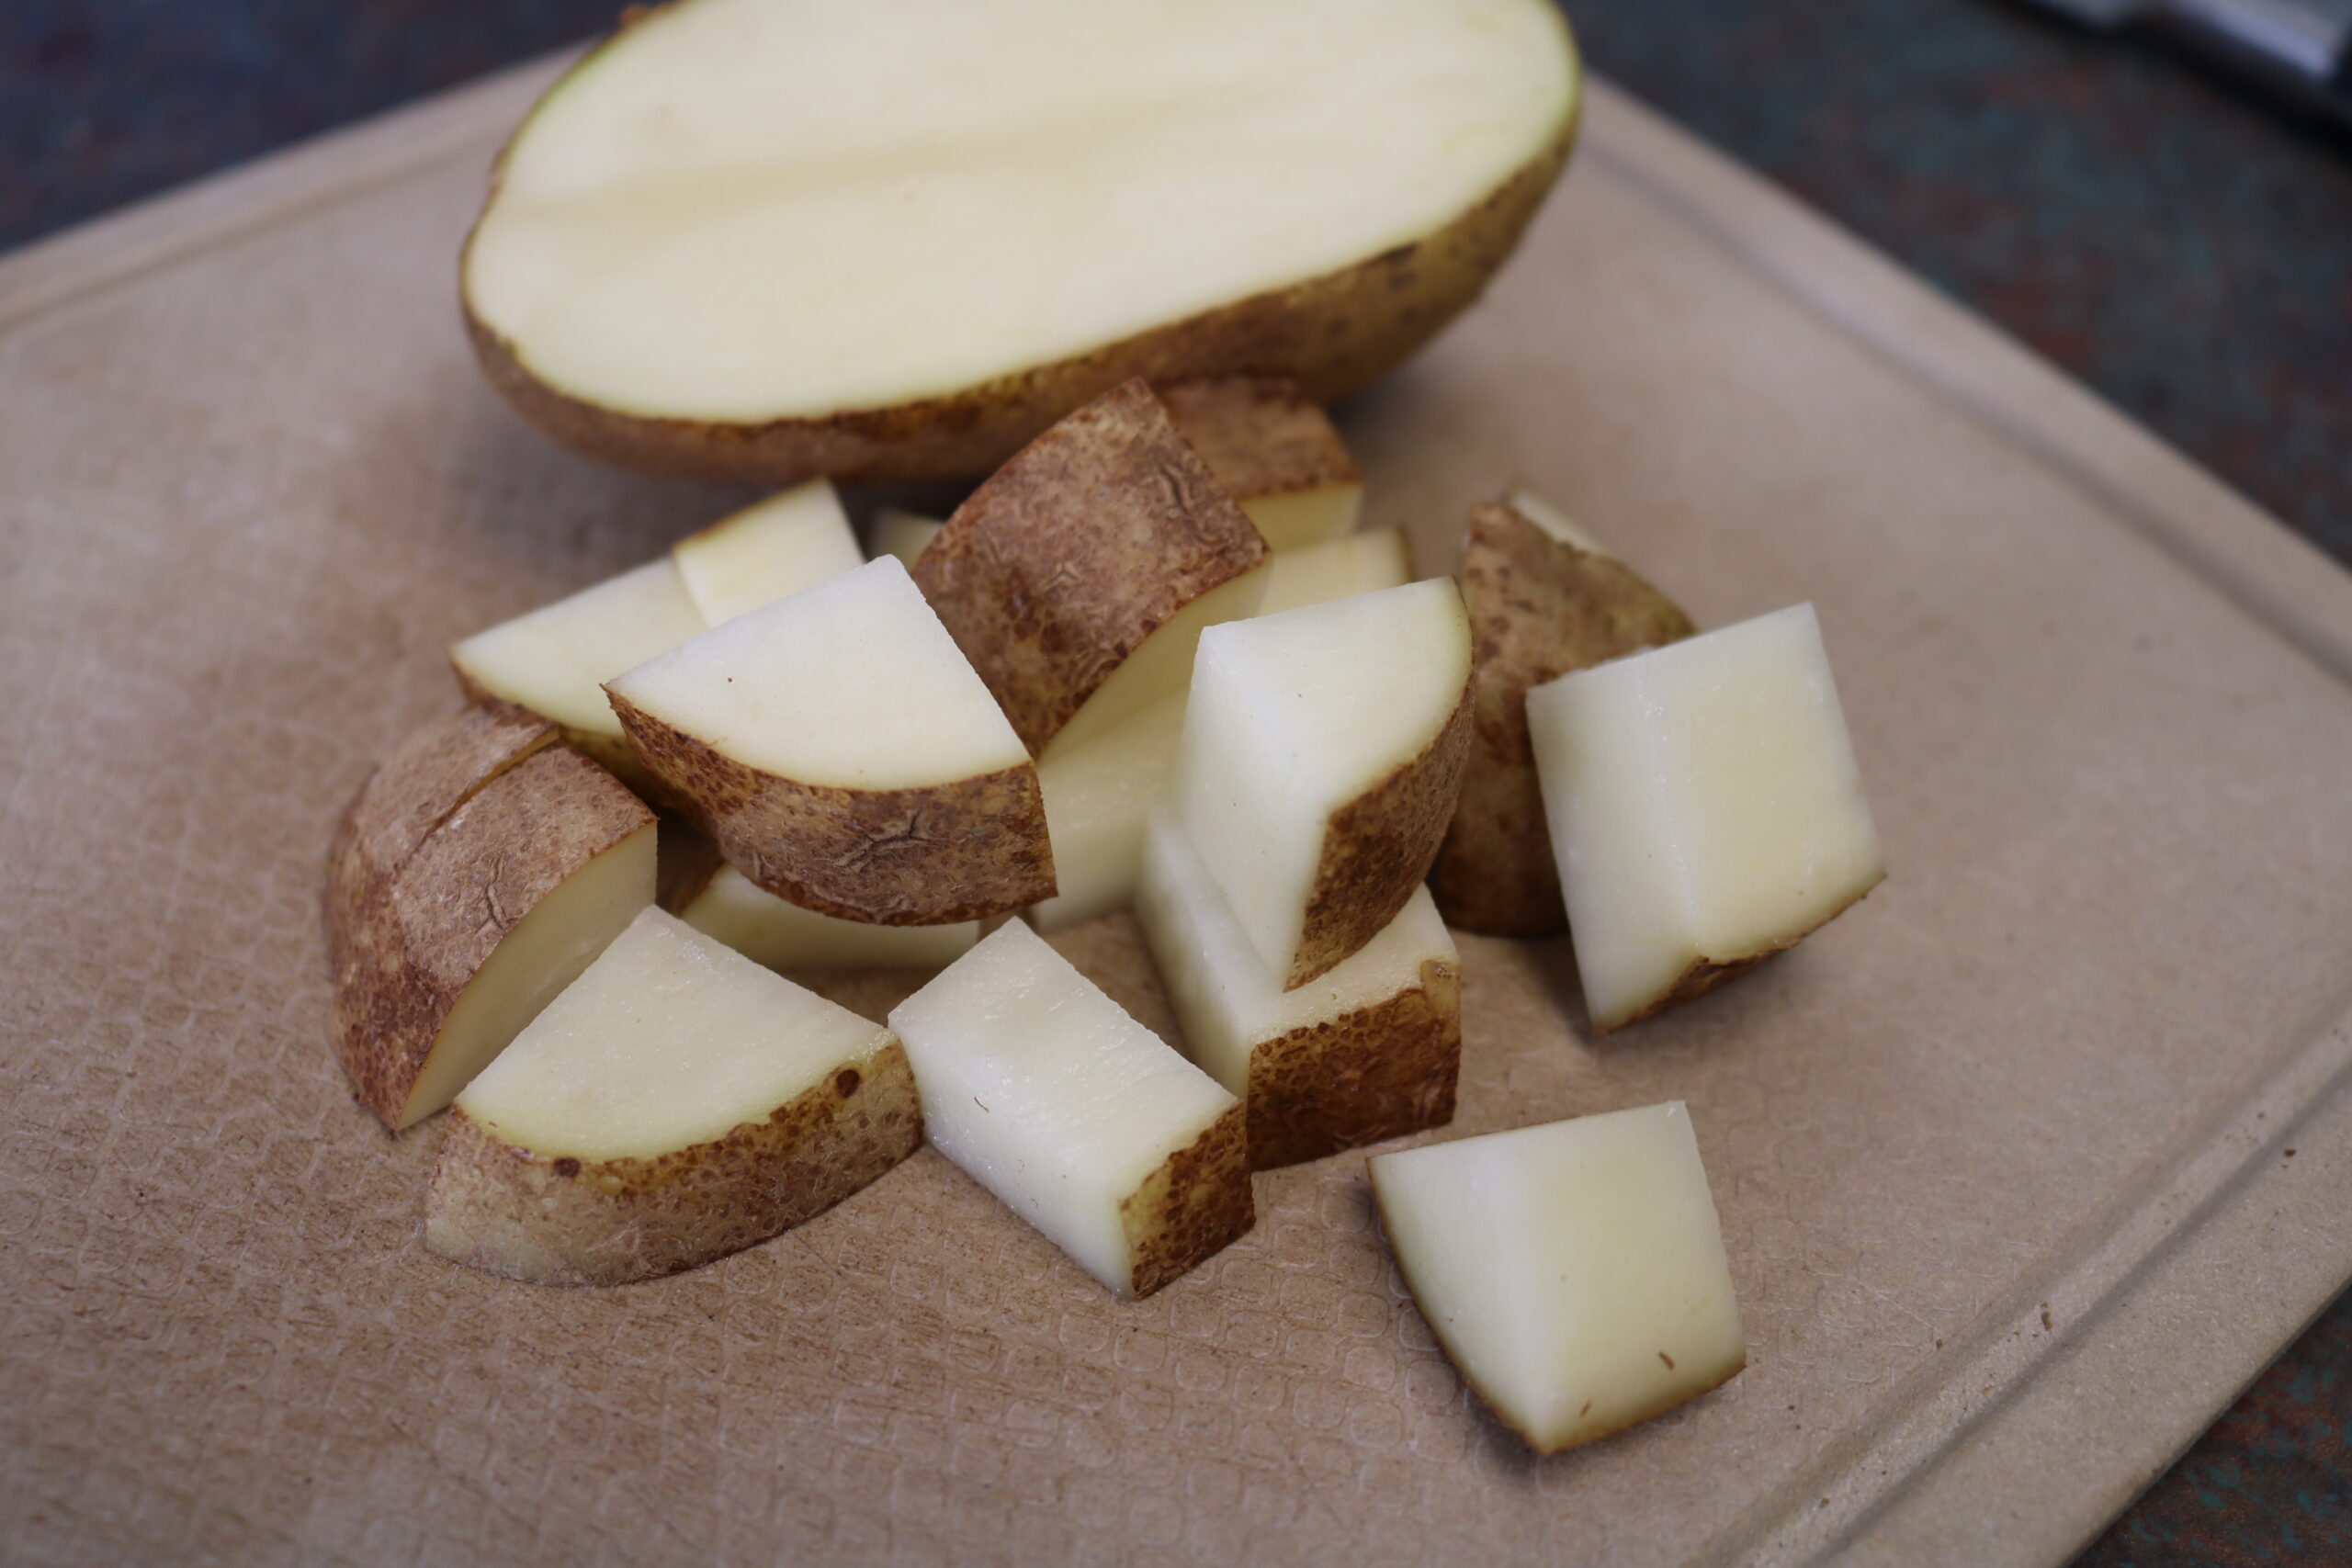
(404,940)
(1374,1074)
(1192,1208)
(1260,436)
(550,1220)
(1332,335)
(1539,608)
(936,855)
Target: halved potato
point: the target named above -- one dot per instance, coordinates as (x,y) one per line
(676,1103)
(1098,797)
(1078,578)
(763,239)
(838,748)
(793,540)
(1275,451)
(1369,1050)
(479,870)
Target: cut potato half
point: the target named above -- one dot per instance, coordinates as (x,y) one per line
(792,540)
(1275,451)
(1317,574)
(1573,1271)
(442,952)
(1098,797)
(1705,808)
(676,1103)
(905,535)
(1078,578)
(1128,1157)
(839,751)
(1544,600)
(765,238)
(1322,752)
(1369,1050)
(784,936)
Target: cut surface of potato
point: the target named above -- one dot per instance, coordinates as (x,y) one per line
(1369,1050)
(1079,1119)
(1705,808)
(793,540)
(1322,752)
(781,935)
(1098,797)
(555,660)
(676,1103)
(443,951)
(1078,578)
(1275,451)
(840,750)
(1541,603)
(905,535)
(1317,574)
(761,239)
(1573,1271)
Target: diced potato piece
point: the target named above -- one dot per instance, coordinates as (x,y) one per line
(1369,1050)
(1573,1271)
(1547,515)
(1322,753)
(1315,574)
(1706,808)
(1276,452)
(1128,1157)
(766,929)
(794,539)
(675,1104)
(905,535)
(1097,798)
(838,748)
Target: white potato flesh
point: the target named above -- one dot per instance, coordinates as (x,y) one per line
(1317,574)
(782,935)
(1294,715)
(742,212)
(556,659)
(671,1038)
(905,535)
(1573,1271)
(546,951)
(1226,1001)
(1159,665)
(1098,797)
(1703,804)
(795,539)
(1047,1094)
(851,685)
(1304,518)
(1547,515)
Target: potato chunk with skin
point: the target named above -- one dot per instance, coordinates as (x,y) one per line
(1315,574)
(1573,1271)
(784,936)
(1079,1119)
(795,539)
(1369,1050)
(905,535)
(1098,797)
(675,1104)
(1276,453)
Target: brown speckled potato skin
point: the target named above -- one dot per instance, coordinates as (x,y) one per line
(1078,548)
(549,1220)
(405,938)
(1332,335)
(1260,436)
(905,857)
(1538,609)
(1377,848)
(1192,1208)
(1375,1074)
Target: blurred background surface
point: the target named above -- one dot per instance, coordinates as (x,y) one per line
(2174,240)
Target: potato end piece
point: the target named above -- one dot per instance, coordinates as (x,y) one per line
(558,1221)
(1192,1208)
(1706,974)
(1373,1075)
(937,855)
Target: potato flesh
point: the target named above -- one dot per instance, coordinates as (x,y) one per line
(1573,1271)
(1226,1000)
(903,534)
(1704,805)
(1160,665)
(1291,717)
(555,660)
(1047,1094)
(1306,518)
(769,931)
(546,951)
(1098,797)
(793,540)
(1340,568)
(669,1039)
(738,210)
(851,685)
(1545,515)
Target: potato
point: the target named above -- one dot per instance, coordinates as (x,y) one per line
(1275,451)
(844,256)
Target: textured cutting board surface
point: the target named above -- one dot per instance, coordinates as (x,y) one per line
(2001,1154)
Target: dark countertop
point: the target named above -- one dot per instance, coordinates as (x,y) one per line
(2184,249)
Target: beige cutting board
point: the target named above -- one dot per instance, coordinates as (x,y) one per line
(2025,1164)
